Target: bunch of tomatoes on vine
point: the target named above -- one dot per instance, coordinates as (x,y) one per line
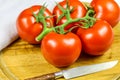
(72,27)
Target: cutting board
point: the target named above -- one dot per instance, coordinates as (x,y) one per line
(22,60)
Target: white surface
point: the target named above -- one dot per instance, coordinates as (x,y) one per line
(9,10)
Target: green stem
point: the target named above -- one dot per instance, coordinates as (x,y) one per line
(44,23)
(77,20)
(45,29)
(70,21)
(68,14)
(44,32)
(60,28)
(42,19)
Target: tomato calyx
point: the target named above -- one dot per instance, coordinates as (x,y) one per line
(85,22)
(65,12)
(40,18)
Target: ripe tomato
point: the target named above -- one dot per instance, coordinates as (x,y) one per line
(97,39)
(119,14)
(61,50)
(28,28)
(107,10)
(78,11)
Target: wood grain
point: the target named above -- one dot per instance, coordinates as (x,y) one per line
(2,76)
(24,60)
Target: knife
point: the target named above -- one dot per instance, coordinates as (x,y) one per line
(76,72)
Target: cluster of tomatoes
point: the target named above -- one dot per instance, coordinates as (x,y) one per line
(69,29)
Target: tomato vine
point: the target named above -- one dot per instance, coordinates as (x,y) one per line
(87,21)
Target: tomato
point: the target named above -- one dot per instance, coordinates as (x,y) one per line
(107,10)
(61,50)
(119,14)
(78,11)
(97,39)
(28,28)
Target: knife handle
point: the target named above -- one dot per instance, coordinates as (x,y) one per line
(50,76)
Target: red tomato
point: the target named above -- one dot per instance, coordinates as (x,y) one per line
(28,28)
(119,14)
(107,10)
(97,39)
(61,50)
(78,11)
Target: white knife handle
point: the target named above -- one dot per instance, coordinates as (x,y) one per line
(50,76)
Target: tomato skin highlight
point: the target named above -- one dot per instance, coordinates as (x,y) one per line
(27,27)
(97,39)
(107,10)
(61,50)
(79,11)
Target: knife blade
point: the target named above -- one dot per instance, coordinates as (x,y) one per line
(77,71)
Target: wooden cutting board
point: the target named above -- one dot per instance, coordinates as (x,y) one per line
(21,60)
